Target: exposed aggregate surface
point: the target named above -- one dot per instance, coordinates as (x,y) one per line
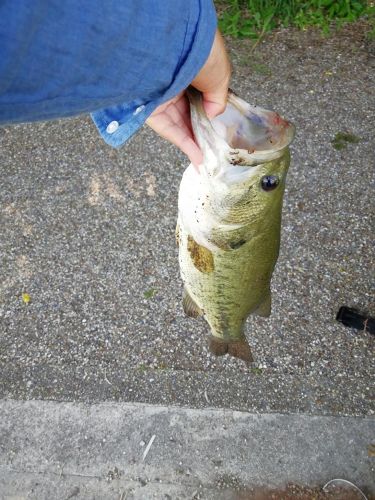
(88,232)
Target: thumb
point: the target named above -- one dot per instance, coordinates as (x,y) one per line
(214,103)
(213,78)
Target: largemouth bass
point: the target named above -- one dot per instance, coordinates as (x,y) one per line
(229,218)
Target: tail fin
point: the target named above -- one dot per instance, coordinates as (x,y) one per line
(237,348)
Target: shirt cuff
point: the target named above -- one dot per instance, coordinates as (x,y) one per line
(116,124)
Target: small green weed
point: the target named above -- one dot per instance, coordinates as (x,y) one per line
(256,66)
(260,68)
(342,139)
(254,18)
(148,294)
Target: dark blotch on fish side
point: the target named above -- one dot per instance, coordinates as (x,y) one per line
(237,244)
(202,258)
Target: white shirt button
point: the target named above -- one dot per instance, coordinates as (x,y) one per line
(112,127)
(139,109)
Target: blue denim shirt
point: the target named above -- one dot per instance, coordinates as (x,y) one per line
(117,59)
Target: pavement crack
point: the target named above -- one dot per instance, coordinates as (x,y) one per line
(53,473)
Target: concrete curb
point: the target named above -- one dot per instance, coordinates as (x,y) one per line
(72,450)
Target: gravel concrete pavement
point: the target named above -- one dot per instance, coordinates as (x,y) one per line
(88,233)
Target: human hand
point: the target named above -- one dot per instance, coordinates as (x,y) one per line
(171,119)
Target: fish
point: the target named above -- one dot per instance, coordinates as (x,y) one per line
(229,218)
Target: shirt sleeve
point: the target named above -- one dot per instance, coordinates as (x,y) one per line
(117,59)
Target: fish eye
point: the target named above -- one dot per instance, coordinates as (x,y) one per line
(269,182)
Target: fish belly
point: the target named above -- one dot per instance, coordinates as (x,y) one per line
(228,285)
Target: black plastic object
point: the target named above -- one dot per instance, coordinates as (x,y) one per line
(354,319)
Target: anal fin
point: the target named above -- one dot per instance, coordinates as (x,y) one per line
(190,307)
(237,348)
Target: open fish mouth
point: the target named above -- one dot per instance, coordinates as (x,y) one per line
(250,134)
(237,145)
(254,134)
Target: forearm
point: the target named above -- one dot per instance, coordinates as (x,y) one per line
(62,59)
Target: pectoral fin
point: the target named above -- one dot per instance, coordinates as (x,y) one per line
(264,309)
(190,307)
